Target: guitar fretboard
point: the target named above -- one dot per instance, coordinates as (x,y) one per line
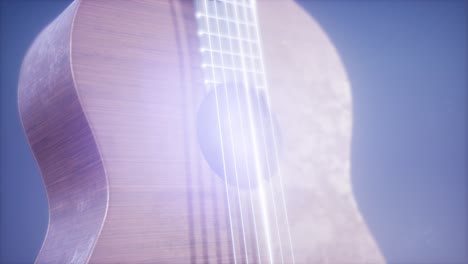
(230,43)
(232,60)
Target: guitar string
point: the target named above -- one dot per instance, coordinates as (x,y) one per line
(231,131)
(258,169)
(261,128)
(263,133)
(221,139)
(270,116)
(242,129)
(284,207)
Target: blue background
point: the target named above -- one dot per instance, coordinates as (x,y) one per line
(407,62)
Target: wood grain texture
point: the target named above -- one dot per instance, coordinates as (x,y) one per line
(63,145)
(137,78)
(108,96)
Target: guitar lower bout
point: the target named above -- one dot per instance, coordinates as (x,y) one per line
(173,131)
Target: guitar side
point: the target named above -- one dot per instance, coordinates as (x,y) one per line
(63,144)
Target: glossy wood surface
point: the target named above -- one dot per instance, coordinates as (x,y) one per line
(137,81)
(108,97)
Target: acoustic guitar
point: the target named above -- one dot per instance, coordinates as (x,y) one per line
(180,131)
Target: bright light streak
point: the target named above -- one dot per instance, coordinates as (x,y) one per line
(258,170)
(253,4)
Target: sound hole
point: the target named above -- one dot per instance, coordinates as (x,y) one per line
(235,124)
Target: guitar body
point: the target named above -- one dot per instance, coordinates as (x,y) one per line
(108,97)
